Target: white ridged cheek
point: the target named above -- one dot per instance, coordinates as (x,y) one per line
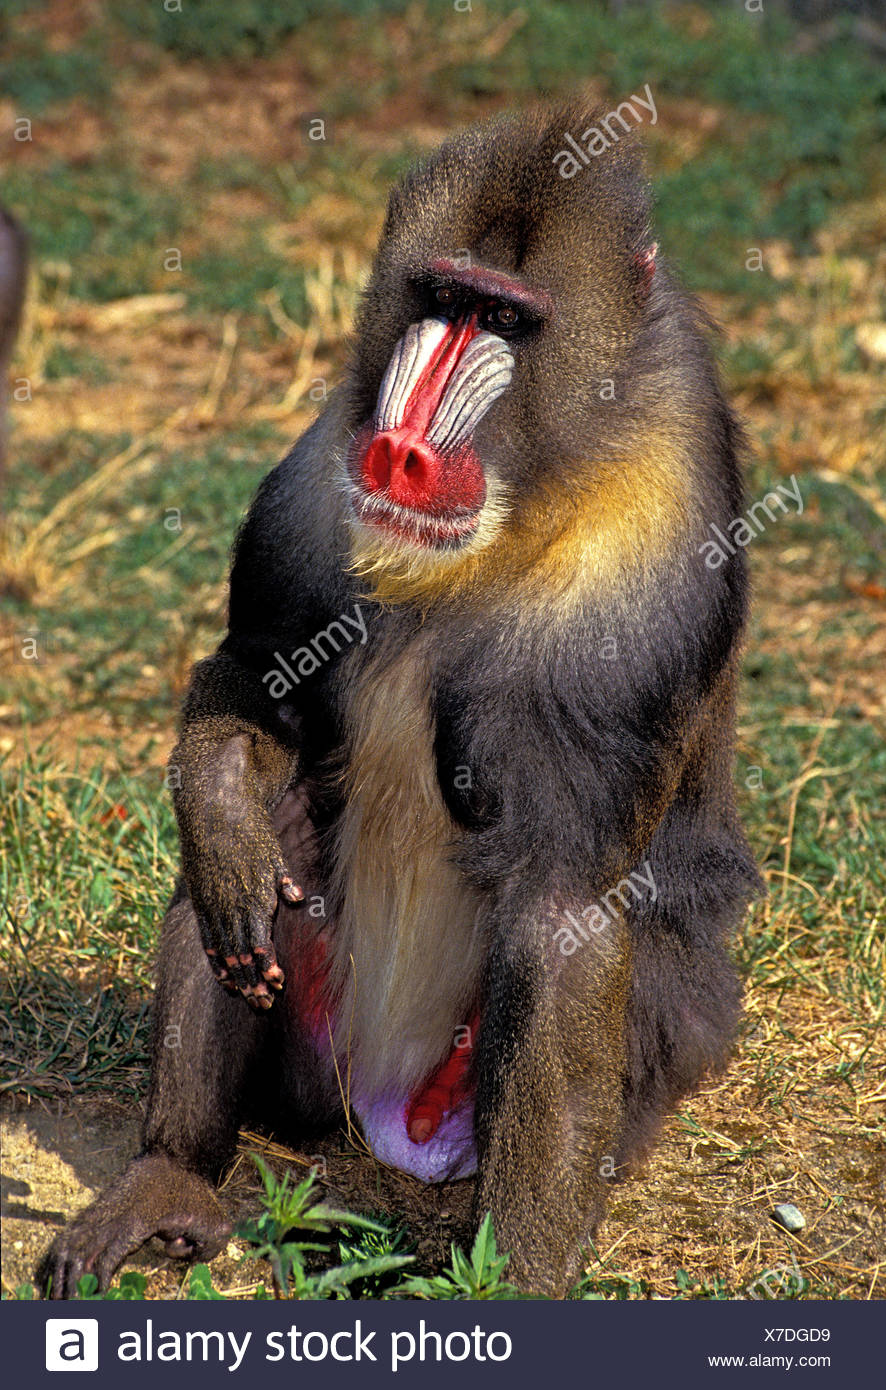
(483,373)
(409,359)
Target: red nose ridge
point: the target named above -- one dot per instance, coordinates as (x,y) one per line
(404,466)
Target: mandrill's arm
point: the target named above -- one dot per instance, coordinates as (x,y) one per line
(229,771)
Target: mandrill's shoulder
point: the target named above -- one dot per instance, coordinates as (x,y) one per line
(289,551)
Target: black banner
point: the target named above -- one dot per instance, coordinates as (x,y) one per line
(433,1344)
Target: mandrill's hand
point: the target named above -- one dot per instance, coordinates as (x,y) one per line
(234,870)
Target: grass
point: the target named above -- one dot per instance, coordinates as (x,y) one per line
(160,397)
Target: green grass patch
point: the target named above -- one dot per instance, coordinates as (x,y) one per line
(110,225)
(35,76)
(209,31)
(87,865)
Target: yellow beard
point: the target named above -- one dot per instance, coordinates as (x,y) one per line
(609,535)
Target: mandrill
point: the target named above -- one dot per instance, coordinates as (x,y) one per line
(454,794)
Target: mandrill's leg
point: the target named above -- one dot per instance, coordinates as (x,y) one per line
(207,1044)
(551,1070)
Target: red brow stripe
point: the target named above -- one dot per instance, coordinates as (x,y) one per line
(494,284)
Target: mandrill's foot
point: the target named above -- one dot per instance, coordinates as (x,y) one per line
(154,1197)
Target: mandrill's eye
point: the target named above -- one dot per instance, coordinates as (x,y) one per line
(504,318)
(445,297)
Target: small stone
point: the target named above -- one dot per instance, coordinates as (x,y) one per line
(789,1216)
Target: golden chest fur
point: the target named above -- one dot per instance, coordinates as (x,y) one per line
(407,952)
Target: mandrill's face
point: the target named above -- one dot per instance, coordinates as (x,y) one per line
(417,480)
